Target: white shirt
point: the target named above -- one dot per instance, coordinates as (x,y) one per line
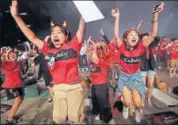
(25,56)
(83,50)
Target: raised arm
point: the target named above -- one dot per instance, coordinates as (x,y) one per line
(104,36)
(81,29)
(28,46)
(155,17)
(154,28)
(94,57)
(139,25)
(27,31)
(115,13)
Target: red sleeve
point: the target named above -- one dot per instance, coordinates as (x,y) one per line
(45,49)
(6,65)
(75,43)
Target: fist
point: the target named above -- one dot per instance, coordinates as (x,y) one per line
(115,12)
(102,32)
(14,8)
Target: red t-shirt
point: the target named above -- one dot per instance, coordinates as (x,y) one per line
(130,61)
(12,72)
(154,51)
(63,62)
(113,49)
(162,47)
(173,52)
(99,73)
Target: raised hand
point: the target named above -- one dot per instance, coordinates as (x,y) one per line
(102,32)
(47,38)
(115,12)
(14,8)
(160,7)
(52,23)
(65,23)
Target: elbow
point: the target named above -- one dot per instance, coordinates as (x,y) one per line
(33,38)
(154,34)
(94,60)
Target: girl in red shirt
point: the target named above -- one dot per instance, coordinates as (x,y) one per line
(12,83)
(130,81)
(63,64)
(101,61)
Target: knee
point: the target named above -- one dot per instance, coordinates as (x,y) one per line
(150,85)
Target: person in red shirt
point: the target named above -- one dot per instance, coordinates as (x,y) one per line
(12,84)
(172,49)
(63,63)
(101,61)
(130,82)
(113,71)
(162,51)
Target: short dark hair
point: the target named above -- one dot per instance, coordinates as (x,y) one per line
(64,30)
(144,34)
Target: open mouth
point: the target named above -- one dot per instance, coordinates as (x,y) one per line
(56,40)
(134,41)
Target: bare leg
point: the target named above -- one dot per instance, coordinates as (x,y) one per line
(17,101)
(150,88)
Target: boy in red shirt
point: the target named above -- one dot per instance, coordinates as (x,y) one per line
(12,83)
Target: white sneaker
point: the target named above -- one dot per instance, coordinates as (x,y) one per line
(138,115)
(112,122)
(97,117)
(125,112)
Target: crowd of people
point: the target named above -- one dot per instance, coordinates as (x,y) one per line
(131,59)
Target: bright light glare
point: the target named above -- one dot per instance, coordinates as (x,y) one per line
(88,10)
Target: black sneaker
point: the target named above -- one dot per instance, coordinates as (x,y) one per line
(18,118)
(13,122)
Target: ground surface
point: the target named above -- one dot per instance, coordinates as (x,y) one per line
(38,111)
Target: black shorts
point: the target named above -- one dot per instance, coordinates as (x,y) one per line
(12,93)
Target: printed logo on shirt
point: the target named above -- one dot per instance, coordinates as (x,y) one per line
(95,69)
(66,54)
(61,55)
(51,59)
(130,60)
